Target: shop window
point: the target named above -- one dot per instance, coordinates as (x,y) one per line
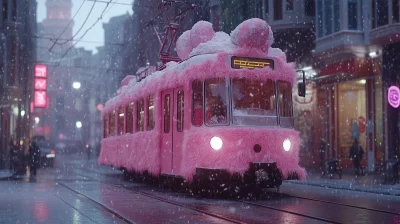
(309,7)
(167,113)
(351,109)
(197,107)
(150,113)
(121,118)
(129,118)
(105,126)
(112,123)
(180,111)
(140,116)
(278,14)
(285,99)
(253,102)
(289,5)
(216,112)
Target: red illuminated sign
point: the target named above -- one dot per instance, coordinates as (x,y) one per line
(40,99)
(41,71)
(40,86)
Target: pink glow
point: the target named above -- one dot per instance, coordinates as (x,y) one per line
(394,96)
(40,100)
(40,84)
(41,71)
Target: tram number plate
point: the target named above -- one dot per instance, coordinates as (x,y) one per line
(261,175)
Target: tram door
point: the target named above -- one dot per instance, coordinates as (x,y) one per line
(172,130)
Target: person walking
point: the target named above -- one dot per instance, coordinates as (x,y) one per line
(356,154)
(34,158)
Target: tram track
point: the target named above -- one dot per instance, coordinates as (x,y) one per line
(206,212)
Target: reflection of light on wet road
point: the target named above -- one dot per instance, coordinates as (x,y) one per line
(41,211)
(77,216)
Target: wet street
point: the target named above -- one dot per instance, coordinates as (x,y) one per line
(80,191)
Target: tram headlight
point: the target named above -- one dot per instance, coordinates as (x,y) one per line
(216,143)
(287,145)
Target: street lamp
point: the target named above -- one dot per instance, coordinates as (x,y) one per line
(78,124)
(76,85)
(37,120)
(22,113)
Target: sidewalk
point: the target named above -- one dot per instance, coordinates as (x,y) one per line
(372,183)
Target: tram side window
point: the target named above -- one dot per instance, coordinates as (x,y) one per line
(167,111)
(197,107)
(285,99)
(150,112)
(121,114)
(112,123)
(105,126)
(216,102)
(140,116)
(129,118)
(180,111)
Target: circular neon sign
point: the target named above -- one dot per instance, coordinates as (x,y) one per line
(394,96)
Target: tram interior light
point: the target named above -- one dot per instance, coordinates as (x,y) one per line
(216,143)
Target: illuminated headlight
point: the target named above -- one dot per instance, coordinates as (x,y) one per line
(50,156)
(287,145)
(216,143)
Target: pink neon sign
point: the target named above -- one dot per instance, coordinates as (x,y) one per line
(394,96)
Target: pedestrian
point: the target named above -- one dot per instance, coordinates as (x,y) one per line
(356,153)
(14,153)
(34,158)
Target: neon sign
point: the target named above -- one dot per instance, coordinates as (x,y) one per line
(243,62)
(40,86)
(394,96)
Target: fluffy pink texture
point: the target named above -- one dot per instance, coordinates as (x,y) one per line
(253,33)
(126,80)
(139,152)
(201,32)
(237,150)
(183,45)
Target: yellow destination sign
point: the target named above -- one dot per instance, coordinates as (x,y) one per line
(243,62)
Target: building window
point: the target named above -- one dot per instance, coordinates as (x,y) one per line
(5,11)
(197,107)
(14,10)
(150,113)
(396,11)
(216,103)
(129,118)
(167,113)
(285,99)
(180,111)
(121,114)
(278,14)
(382,12)
(112,123)
(352,15)
(309,7)
(266,9)
(289,5)
(140,116)
(328,17)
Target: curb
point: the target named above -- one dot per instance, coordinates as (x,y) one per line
(360,189)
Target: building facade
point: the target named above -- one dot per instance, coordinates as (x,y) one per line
(18,51)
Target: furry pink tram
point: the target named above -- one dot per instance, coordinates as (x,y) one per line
(222,113)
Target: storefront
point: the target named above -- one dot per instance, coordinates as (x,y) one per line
(349,106)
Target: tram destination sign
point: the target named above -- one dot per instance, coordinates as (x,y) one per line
(245,62)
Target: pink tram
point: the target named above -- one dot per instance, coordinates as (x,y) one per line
(222,114)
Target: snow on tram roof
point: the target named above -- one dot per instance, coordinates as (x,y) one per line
(200,45)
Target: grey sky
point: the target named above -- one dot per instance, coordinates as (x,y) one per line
(97,32)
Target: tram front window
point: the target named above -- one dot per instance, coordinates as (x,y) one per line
(253,102)
(216,102)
